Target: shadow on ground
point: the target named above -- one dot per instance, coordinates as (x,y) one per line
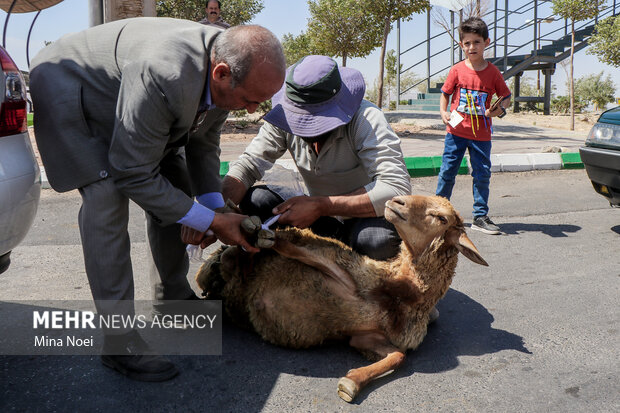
(243,378)
(555,231)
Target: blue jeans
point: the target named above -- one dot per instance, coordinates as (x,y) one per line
(373,236)
(480,160)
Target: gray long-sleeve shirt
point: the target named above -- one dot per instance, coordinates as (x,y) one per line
(363,153)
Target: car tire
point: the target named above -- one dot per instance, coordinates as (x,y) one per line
(5,260)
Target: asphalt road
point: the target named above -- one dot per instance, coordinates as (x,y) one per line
(536,331)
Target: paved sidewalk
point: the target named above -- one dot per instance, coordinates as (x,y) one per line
(508,137)
(516,147)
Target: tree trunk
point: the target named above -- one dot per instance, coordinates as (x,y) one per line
(386,31)
(572,81)
(344,59)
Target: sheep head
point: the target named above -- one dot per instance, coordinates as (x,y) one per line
(421,219)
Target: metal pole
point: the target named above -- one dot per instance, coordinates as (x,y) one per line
(495,31)
(28,38)
(538,71)
(535,26)
(6,23)
(451,40)
(397,63)
(460,21)
(95,12)
(505,35)
(428,50)
(547,103)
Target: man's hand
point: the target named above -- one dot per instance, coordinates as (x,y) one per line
(300,211)
(227,228)
(192,236)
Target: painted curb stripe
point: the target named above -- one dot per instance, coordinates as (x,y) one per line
(430,165)
(571,160)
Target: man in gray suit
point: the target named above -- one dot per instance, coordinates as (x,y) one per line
(133,109)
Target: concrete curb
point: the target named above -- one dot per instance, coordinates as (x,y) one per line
(430,165)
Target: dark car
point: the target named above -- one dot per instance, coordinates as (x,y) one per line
(601,156)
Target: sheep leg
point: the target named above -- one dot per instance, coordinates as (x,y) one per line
(355,380)
(337,279)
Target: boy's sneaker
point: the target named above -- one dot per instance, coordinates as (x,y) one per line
(485,225)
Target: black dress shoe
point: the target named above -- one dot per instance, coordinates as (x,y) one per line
(131,356)
(172,307)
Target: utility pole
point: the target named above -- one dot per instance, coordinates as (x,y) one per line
(95,12)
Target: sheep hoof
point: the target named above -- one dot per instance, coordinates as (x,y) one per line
(347,389)
(266,238)
(251,224)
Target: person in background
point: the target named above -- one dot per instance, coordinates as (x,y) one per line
(472,84)
(212,8)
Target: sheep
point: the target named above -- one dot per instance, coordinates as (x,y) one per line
(307,289)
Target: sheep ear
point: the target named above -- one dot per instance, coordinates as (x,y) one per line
(468,249)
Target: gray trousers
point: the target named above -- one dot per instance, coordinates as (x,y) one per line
(103,221)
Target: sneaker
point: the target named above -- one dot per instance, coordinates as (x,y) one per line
(131,356)
(485,225)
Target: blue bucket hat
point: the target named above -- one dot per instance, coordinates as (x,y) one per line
(317,97)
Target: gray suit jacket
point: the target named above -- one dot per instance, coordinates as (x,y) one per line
(112,101)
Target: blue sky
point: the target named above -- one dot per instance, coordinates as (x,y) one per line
(280,16)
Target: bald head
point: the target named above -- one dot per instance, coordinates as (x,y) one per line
(243,48)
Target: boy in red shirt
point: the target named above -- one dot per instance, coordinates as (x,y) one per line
(472,84)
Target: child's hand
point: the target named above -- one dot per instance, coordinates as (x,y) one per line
(445,117)
(492,112)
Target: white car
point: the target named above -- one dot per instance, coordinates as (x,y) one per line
(20,177)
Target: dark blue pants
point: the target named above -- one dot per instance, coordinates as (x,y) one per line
(480,160)
(373,237)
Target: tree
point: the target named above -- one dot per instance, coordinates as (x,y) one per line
(342,28)
(181,9)
(296,47)
(575,10)
(406,81)
(385,13)
(390,72)
(605,42)
(479,8)
(234,12)
(596,90)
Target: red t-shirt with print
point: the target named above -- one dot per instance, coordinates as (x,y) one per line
(472,92)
